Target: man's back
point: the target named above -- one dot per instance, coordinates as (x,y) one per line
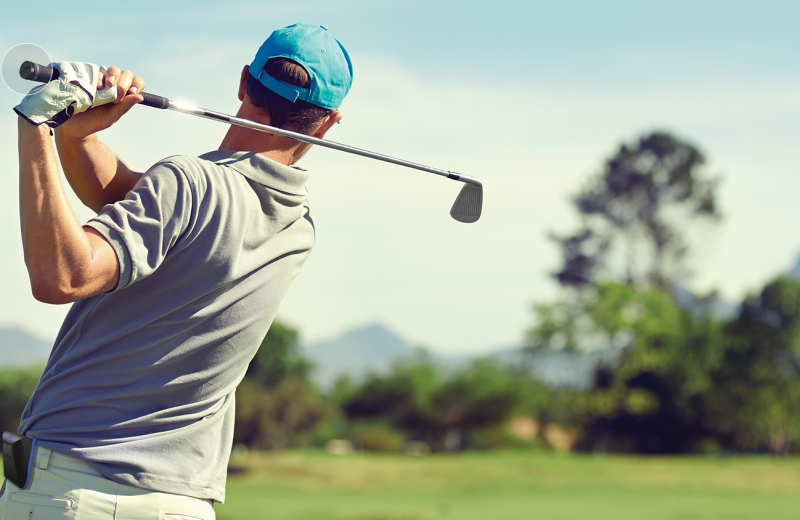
(141,380)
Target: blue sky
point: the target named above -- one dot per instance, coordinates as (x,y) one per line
(530,97)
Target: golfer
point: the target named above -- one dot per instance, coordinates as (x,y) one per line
(175,282)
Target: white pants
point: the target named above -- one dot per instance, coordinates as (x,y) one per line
(64,487)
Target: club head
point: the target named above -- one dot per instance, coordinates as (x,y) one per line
(468,204)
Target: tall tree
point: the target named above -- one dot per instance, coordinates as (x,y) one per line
(635,213)
(648,395)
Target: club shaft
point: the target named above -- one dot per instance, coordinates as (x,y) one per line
(42,73)
(225,118)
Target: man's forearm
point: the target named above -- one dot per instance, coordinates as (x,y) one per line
(94,172)
(59,254)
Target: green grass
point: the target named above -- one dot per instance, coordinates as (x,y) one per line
(510,485)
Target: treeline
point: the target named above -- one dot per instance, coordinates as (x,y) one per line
(681,381)
(674,381)
(277,406)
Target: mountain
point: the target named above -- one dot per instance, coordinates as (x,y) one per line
(560,369)
(711,305)
(375,348)
(355,353)
(19,349)
(795,271)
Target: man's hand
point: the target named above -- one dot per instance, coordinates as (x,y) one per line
(129,88)
(74,91)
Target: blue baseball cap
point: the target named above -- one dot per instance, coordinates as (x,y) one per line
(319,53)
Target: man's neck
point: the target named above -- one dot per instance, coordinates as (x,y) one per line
(279,149)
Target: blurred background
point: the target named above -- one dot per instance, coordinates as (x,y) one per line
(617,336)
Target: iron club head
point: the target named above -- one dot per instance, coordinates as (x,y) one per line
(467,207)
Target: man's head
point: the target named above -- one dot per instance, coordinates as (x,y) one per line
(299,76)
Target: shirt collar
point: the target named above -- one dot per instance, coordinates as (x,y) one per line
(288,179)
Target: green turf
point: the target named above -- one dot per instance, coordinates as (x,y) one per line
(511,485)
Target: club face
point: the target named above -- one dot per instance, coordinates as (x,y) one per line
(468,204)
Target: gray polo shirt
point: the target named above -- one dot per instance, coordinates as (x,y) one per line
(140,382)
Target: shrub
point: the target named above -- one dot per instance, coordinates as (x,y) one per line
(377,437)
(16,387)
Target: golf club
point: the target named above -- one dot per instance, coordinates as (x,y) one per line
(466,208)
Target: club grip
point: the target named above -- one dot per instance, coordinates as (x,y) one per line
(152,100)
(35,72)
(43,74)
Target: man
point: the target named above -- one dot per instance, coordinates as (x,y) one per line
(175,282)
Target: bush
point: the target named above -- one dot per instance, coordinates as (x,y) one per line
(377,437)
(333,426)
(497,437)
(16,387)
(278,418)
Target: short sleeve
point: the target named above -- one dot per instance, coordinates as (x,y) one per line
(143,227)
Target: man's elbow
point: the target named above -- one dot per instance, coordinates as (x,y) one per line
(59,280)
(47,288)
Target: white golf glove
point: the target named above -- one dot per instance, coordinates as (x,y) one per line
(74,91)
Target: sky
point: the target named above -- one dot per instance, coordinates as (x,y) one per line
(530,97)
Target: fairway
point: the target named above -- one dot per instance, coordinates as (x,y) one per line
(510,485)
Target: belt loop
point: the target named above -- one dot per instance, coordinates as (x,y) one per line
(44,458)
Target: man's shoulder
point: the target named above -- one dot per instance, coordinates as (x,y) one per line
(192,169)
(213,166)
(184,162)
(214,161)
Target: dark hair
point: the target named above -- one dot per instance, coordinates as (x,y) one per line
(300,116)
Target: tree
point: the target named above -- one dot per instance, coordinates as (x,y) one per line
(680,381)
(279,418)
(636,212)
(276,405)
(402,398)
(16,387)
(278,357)
(756,397)
(417,399)
(650,396)
(480,397)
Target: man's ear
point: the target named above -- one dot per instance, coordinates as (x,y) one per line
(330,120)
(243,82)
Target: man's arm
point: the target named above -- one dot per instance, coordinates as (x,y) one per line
(93,171)
(65,261)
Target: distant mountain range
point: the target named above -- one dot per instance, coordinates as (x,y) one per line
(355,353)
(375,348)
(711,305)
(795,272)
(19,348)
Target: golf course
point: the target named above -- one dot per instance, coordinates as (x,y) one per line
(300,485)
